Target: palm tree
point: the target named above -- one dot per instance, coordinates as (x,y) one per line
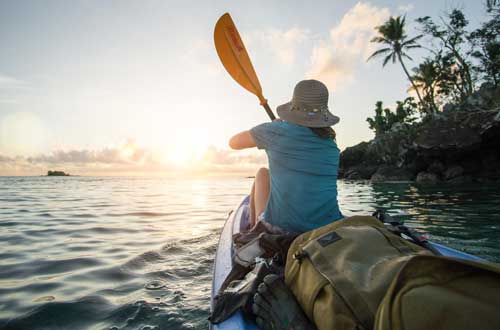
(426,79)
(491,4)
(392,34)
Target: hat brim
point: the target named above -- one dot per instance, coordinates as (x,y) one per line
(305,118)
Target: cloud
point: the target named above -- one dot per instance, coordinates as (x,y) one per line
(131,159)
(7,82)
(283,44)
(5,158)
(201,57)
(334,61)
(128,153)
(11,89)
(216,156)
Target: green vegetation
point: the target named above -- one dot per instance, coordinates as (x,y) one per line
(458,61)
(57,173)
(384,119)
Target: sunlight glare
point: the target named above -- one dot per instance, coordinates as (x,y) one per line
(187,152)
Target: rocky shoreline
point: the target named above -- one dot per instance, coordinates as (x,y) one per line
(458,145)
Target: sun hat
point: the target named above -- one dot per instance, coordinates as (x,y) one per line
(309,106)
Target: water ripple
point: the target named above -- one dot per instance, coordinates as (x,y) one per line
(137,253)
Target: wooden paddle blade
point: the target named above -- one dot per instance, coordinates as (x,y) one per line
(234,56)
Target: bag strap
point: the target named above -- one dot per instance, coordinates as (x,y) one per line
(398,228)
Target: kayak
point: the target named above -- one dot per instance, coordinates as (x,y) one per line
(239,221)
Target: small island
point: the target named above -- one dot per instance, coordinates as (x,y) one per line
(57,173)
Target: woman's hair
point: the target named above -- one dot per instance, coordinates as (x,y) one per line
(324,132)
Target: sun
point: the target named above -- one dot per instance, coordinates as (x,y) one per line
(179,155)
(186,153)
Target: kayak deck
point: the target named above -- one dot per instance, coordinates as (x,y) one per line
(238,221)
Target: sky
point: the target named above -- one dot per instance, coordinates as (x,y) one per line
(136,87)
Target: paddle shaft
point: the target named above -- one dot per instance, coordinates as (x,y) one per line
(269,111)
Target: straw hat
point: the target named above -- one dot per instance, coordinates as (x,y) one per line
(309,106)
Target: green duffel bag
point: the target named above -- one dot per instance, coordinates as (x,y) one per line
(441,293)
(340,273)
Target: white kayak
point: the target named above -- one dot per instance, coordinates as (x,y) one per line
(237,222)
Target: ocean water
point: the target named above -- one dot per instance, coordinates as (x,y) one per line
(136,253)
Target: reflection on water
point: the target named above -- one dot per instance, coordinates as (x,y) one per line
(136,253)
(465,217)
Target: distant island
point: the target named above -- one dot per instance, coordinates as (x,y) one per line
(57,173)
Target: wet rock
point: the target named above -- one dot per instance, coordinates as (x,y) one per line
(453,172)
(460,179)
(471,165)
(427,178)
(361,172)
(389,173)
(436,167)
(491,160)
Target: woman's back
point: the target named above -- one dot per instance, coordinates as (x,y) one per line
(303,168)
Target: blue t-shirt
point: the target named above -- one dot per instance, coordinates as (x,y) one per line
(303,169)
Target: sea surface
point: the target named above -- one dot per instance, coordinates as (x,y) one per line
(137,253)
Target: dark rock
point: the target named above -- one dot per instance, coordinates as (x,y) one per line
(439,135)
(436,167)
(471,165)
(460,179)
(483,99)
(361,172)
(353,156)
(427,178)
(447,108)
(353,175)
(489,174)
(389,173)
(453,172)
(491,160)
(393,148)
(463,135)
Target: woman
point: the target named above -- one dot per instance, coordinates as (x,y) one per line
(299,191)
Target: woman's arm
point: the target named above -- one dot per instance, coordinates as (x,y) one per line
(242,140)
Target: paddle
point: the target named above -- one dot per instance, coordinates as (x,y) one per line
(235,59)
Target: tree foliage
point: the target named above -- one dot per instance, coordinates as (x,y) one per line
(452,53)
(385,119)
(392,35)
(427,77)
(486,46)
(458,60)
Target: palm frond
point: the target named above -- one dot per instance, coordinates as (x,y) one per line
(380,39)
(379,52)
(406,55)
(387,59)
